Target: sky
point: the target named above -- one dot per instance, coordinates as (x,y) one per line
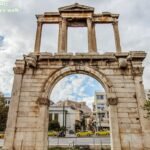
(18,27)
(76,87)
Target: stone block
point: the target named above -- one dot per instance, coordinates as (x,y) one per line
(35,76)
(125,95)
(125,90)
(29,84)
(123,120)
(135,120)
(123,115)
(29,109)
(26,124)
(132,105)
(31,89)
(28,114)
(28,99)
(124,85)
(27,119)
(30,94)
(127,105)
(123,128)
(126,100)
(133,115)
(33,80)
(27,103)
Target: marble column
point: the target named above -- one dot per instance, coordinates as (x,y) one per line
(38,38)
(89,26)
(117,37)
(94,44)
(60,37)
(62,40)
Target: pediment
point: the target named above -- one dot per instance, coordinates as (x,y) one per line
(76,8)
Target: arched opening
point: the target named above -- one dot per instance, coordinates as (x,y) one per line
(78,105)
(101,78)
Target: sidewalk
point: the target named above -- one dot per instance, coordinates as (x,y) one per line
(1,142)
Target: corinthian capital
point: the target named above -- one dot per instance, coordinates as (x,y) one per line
(43,101)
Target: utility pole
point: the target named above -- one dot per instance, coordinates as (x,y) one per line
(65,120)
(63,115)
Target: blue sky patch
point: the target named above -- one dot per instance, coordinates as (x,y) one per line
(1,40)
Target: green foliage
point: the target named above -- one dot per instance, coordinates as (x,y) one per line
(147,108)
(3,113)
(54,125)
(77,127)
(62,128)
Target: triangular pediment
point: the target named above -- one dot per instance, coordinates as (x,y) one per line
(75,8)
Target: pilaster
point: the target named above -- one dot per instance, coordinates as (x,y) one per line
(117,37)
(38,37)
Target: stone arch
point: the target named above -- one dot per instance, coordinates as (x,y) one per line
(58,75)
(101,78)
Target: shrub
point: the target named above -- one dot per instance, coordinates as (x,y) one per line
(54,126)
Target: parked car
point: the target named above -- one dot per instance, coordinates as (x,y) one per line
(98,133)
(1,135)
(84,133)
(52,133)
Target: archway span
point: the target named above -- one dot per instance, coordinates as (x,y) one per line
(57,76)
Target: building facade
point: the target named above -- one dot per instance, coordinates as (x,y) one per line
(69,114)
(7,101)
(66,116)
(147,94)
(100,111)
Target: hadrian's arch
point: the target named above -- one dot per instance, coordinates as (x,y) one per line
(37,73)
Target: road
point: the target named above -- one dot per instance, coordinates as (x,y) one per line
(79,141)
(75,141)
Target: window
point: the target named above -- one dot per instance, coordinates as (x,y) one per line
(100,106)
(50,117)
(100,97)
(56,117)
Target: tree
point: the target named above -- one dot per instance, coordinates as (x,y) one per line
(77,127)
(3,113)
(147,108)
(54,125)
(83,123)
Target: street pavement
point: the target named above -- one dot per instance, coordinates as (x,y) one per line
(79,141)
(75,141)
(1,142)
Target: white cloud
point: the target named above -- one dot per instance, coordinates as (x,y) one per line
(89,101)
(76,87)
